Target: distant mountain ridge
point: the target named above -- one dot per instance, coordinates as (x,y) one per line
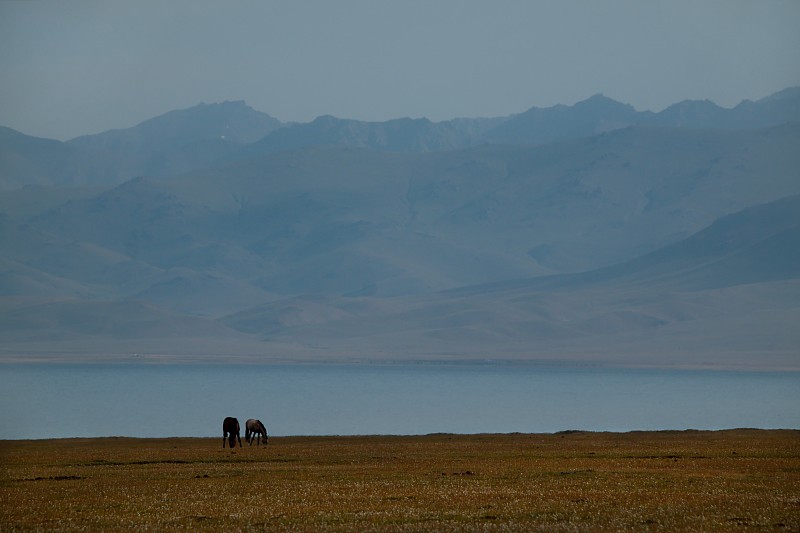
(590,233)
(597,114)
(781,107)
(211,134)
(172,143)
(234,121)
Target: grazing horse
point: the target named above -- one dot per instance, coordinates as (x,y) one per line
(252,428)
(230,431)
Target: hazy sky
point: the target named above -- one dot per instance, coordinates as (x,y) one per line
(85,66)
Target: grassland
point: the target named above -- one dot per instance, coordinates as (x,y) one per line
(681,481)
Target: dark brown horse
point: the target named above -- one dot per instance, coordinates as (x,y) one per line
(252,428)
(230,431)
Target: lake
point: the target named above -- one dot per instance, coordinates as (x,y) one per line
(151,400)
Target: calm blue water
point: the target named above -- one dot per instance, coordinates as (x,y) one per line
(43,401)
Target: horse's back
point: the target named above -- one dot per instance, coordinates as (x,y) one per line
(230,424)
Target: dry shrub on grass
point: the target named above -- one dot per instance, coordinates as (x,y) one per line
(679,481)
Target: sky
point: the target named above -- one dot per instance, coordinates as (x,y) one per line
(85,66)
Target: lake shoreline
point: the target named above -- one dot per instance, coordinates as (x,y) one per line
(451,436)
(165,359)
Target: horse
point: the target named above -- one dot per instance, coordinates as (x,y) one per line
(252,428)
(230,431)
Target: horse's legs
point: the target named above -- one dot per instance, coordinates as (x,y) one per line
(240,439)
(223,439)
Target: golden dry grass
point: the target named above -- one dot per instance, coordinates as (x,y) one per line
(680,481)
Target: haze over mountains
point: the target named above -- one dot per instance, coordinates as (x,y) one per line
(591,233)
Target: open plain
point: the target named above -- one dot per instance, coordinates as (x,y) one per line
(666,481)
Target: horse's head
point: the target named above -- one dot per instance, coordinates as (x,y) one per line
(232,441)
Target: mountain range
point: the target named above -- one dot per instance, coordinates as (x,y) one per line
(591,234)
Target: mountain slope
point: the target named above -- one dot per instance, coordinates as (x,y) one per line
(233,121)
(632,314)
(756,245)
(595,115)
(172,143)
(30,161)
(399,135)
(338,220)
(176,141)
